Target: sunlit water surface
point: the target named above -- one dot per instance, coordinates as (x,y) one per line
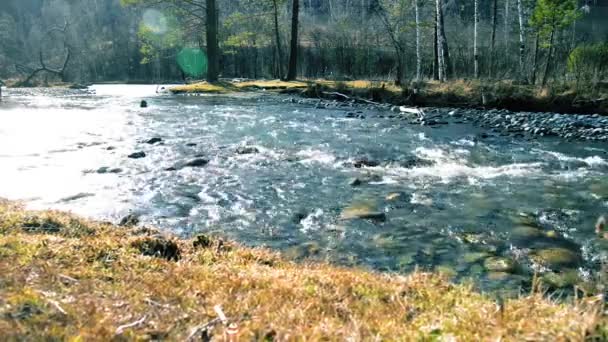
(290,195)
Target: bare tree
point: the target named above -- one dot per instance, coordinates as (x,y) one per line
(292,71)
(442,44)
(277,35)
(212,45)
(522,43)
(475,36)
(43,68)
(493,37)
(418,55)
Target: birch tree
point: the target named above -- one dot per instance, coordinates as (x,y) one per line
(475,39)
(418,55)
(441,43)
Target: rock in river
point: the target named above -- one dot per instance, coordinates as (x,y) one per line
(197,162)
(556,257)
(137,155)
(364,162)
(362,211)
(247,150)
(153,141)
(499,264)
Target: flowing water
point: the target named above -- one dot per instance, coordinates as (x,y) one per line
(455,199)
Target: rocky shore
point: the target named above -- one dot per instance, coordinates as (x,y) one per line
(504,122)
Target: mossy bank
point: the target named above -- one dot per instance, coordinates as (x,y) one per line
(66,278)
(509,95)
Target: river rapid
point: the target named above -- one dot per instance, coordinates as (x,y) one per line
(367,189)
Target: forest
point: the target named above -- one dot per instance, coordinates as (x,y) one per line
(528,41)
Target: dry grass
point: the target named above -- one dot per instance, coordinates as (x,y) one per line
(227,87)
(65,278)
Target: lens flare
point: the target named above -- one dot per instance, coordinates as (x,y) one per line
(192,61)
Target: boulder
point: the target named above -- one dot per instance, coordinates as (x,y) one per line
(247,150)
(499,264)
(556,258)
(362,211)
(137,155)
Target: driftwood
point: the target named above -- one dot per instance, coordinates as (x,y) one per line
(43,67)
(346,97)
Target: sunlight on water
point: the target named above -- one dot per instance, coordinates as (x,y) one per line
(282,175)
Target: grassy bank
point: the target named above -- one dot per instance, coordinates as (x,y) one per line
(67,278)
(562,98)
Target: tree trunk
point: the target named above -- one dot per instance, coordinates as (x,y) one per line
(522,43)
(506,27)
(277,34)
(212,44)
(549,56)
(535,63)
(475,35)
(442,44)
(418,55)
(292,72)
(435,51)
(493,37)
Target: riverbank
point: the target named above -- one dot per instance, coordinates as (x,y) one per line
(65,277)
(504,108)
(508,95)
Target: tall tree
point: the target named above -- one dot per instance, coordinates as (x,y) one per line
(522,42)
(442,44)
(475,37)
(213,50)
(277,36)
(550,16)
(292,71)
(493,37)
(418,55)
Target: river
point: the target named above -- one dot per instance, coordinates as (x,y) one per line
(450,197)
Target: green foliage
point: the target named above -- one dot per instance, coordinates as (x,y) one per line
(588,62)
(550,15)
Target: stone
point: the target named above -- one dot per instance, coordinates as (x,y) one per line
(201,241)
(556,258)
(565,279)
(362,211)
(395,196)
(143,104)
(499,264)
(526,233)
(137,155)
(197,162)
(355,182)
(153,141)
(498,276)
(364,162)
(247,150)
(474,257)
(158,247)
(129,220)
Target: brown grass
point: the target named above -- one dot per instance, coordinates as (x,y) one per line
(65,278)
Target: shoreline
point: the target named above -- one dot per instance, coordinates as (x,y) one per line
(67,277)
(442,104)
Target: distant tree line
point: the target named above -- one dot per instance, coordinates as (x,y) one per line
(529,41)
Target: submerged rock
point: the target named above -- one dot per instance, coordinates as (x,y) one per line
(564,279)
(526,233)
(355,182)
(556,258)
(154,141)
(137,155)
(395,196)
(499,264)
(362,211)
